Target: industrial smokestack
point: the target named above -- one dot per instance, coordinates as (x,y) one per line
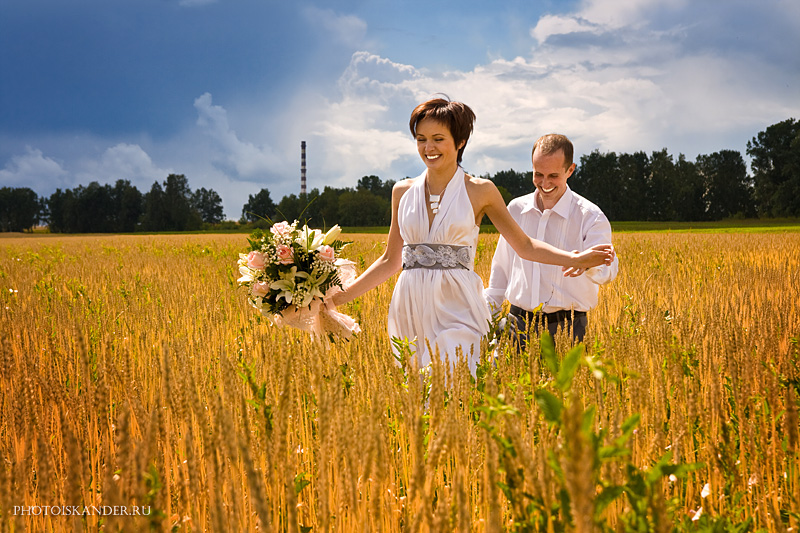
(302,167)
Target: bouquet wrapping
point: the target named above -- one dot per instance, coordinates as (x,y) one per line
(291,272)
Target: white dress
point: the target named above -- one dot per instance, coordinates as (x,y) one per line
(443,304)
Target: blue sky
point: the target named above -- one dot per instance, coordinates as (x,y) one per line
(223,91)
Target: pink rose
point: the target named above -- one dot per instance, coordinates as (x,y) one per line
(284,254)
(326,252)
(256,260)
(260,288)
(280,228)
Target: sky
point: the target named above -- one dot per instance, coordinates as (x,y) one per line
(224,91)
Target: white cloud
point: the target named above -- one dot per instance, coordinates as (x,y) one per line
(616,14)
(370,72)
(32,169)
(613,75)
(240,157)
(355,145)
(346,29)
(121,161)
(550,25)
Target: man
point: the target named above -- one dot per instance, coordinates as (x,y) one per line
(558,216)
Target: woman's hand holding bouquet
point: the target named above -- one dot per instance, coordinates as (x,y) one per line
(290,272)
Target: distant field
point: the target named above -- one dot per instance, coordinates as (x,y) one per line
(134,373)
(722,226)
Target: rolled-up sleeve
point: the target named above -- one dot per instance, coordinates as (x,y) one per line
(495,293)
(599,232)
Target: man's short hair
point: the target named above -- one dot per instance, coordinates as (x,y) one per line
(552,143)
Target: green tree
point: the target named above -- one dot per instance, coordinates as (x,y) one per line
(596,179)
(19,209)
(634,172)
(309,208)
(290,207)
(775,155)
(686,199)
(181,214)
(728,189)
(209,204)
(328,206)
(154,217)
(94,210)
(516,183)
(660,186)
(61,206)
(128,203)
(377,187)
(363,208)
(258,207)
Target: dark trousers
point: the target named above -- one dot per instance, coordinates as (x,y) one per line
(519,319)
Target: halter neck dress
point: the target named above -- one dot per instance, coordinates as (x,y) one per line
(438,297)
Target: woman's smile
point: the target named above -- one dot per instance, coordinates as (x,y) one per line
(436,146)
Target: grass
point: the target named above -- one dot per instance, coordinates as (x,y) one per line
(720,226)
(133,372)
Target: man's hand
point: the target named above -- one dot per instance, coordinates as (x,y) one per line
(573,272)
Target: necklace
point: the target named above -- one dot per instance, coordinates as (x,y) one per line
(434,199)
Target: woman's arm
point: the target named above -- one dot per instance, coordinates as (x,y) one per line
(526,246)
(386,265)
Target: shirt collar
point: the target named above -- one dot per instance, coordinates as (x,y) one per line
(561,208)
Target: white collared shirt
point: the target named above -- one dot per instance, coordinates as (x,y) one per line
(574,223)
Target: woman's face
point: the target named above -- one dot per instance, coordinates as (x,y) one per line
(436,145)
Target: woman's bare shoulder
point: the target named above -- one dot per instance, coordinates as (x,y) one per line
(400,188)
(404,185)
(479,184)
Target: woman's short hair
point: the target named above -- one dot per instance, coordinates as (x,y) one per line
(458,118)
(552,143)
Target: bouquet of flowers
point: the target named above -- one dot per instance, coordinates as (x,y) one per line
(290,272)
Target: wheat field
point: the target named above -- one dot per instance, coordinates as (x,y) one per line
(140,392)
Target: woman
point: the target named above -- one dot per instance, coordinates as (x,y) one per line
(433,236)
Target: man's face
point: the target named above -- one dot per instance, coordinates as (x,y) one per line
(550,176)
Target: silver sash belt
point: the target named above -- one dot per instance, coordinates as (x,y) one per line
(437,256)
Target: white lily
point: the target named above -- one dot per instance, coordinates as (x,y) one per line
(287,284)
(312,285)
(332,234)
(310,239)
(247,274)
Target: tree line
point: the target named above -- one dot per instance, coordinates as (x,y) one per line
(625,186)
(638,186)
(121,208)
